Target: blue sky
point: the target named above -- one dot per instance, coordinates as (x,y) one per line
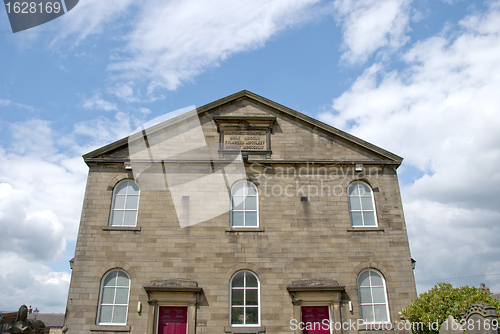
(418,78)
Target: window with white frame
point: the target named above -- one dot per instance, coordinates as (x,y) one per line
(373,297)
(125,204)
(361,205)
(245,299)
(244,205)
(113,299)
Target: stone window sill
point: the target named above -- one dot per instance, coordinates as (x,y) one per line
(245,229)
(121,228)
(365,229)
(234,330)
(109,328)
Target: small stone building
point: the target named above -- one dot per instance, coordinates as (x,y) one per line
(241,216)
(54,321)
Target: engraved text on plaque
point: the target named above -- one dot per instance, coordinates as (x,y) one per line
(245,140)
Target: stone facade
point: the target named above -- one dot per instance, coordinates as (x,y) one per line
(304,238)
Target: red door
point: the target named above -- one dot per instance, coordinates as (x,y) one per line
(313,316)
(172,320)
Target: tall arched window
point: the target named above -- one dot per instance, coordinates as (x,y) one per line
(244,205)
(113,300)
(245,299)
(125,204)
(373,297)
(361,205)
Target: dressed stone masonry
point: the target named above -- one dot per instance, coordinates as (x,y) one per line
(307,227)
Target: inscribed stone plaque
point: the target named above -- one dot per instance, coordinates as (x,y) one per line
(245,140)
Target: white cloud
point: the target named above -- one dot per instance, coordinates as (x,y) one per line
(41,193)
(171,42)
(90,17)
(451,242)
(174,41)
(131,93)
(42,179)
(145,111)
(369,25)
(42,183)
(442,113)
(35,235)
(97,103)
(125,91)
(6,103)
(102,131)
(24,282)
(28,142)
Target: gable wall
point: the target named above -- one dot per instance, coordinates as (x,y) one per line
(291,139)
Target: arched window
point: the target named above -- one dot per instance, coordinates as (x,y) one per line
(373,297)
(113,300)
(245,299)
(244,205)
(125,204)
(361,205)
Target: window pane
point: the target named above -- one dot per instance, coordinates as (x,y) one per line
(356,218)
(365,295)
(364,190)
(364,279)
(251,203)
(119,202)
(354,203)
(252,297)
(369,218)
(105,316)
(237,297)
(132,202)
(121,296)
(130,218)
(378,295)
(376,279)
(251,281)
(367,203)
(236,315)
(251,190)
(108,295)
(381,313)
(239,189)
(237,218)
(250,218)
(119,315)
(133,188)
(238,203)
(238,279)
(252,316)
(110,280)
(353,189)
(122,279)
(117,218)
(367,313)
(121,189)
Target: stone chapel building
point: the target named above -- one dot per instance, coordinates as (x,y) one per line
(241,216)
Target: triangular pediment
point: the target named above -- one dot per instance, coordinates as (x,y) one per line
(293,136)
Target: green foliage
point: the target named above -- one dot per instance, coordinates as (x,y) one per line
(442,301)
